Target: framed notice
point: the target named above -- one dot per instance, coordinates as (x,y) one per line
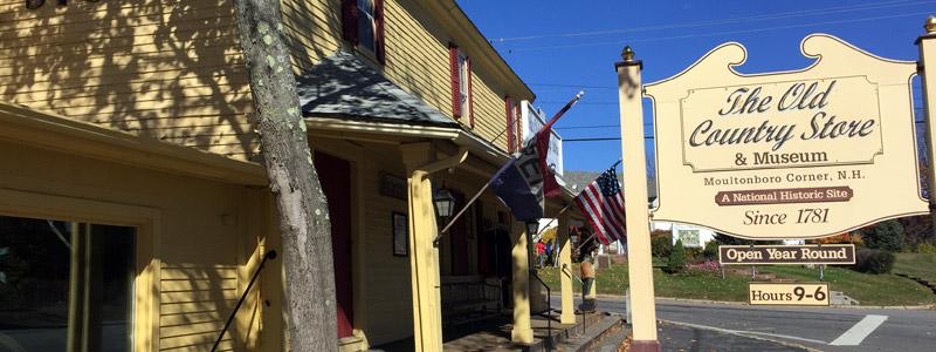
(400,234)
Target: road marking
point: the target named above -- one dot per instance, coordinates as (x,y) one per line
(752,334)
(860,331)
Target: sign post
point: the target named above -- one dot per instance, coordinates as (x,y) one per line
(640,267)
(927,44)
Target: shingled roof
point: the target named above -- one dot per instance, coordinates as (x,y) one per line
(343,86)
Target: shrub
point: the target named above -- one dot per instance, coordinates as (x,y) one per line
(661,246)
(874,261)
(926,247)
(677,259)
(711,250)
(887,235)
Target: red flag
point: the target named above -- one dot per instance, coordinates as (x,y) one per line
(541,140)
(603,206)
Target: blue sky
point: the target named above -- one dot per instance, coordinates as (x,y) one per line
(561,47)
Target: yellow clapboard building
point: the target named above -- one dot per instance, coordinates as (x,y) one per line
(134,206)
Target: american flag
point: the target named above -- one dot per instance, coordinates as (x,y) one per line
(603,206)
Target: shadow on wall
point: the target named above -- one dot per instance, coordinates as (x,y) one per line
(165,70)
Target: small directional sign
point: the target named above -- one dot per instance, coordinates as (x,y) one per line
(789,294)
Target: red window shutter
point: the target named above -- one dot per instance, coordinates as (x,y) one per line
(349,19)
(470,93)
(379,23)
(511,132)
(456,82)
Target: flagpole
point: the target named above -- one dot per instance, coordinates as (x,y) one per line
(462,211)
(488,184)
(553,219)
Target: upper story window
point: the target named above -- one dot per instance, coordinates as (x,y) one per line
(460,69)
(511,111)
(363,26)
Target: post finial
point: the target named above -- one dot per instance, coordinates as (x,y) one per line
(930,25)
(627,54)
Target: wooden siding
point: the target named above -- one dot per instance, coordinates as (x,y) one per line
(166,70)
(417,56)
(195,301)
(314,29)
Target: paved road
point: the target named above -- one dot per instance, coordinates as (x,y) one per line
(824,329)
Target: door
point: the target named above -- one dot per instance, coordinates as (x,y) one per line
(335,176)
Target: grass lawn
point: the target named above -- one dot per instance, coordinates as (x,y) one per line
(922,265)
(870,290)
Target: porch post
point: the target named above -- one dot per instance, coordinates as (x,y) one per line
(630,93)
(565,270)
(522,330)
(424,257)
(927,44)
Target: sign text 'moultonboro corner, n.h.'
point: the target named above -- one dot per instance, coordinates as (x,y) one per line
(789,154)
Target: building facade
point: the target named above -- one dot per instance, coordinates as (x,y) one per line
(128,159)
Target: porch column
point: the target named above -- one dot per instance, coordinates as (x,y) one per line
(522,331)
(564,244)
(424,257)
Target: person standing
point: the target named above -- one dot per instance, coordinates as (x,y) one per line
(588,280)
(540,253)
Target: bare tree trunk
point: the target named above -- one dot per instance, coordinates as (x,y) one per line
(304,223)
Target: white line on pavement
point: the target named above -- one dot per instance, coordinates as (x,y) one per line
(860,331)
(745,333)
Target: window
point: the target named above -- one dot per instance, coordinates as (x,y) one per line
(66,286)
(460,68)
(511,111)
(363,26)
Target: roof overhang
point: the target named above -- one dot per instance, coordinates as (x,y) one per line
(23,125)
(488,158)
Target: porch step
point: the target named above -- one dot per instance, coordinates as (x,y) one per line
(602,333)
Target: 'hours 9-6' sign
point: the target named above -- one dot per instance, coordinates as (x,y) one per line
(787,154)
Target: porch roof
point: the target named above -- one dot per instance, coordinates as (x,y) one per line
(342,85)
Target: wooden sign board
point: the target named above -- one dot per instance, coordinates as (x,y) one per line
(788,294)
(834,254)
(799,154)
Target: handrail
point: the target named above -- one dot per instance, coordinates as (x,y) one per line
(269,255)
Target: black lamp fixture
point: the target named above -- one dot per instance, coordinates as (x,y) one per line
(532,226)
(444,203)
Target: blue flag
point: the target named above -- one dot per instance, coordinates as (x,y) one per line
(519,184)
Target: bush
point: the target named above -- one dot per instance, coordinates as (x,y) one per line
(677,259)
(711,250)
(874,261)
(927,248)
(888,235)
(661,246)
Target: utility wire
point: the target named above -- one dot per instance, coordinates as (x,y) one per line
(764,17)
(699,35)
